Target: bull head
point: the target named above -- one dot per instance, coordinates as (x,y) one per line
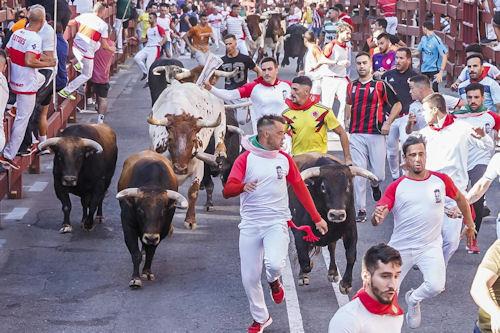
(135,192)
(170,71)
(70,152)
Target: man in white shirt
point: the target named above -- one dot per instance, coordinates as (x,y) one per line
(25,48)
(215,21)
(448,145)
(267,93)
(417,201)
(375,308)
(478,75)
(294,15)
(92,33)
(236,25)
(156,37)
(163,20)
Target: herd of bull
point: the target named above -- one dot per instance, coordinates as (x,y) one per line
(193,136)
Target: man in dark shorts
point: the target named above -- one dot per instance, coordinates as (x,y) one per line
(100,79)
(234,59)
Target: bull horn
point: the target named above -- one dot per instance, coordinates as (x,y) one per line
(132,192)
(159,69)
(225,74)
(92,144)
(180,201)
(357,171)
(237,106)
(204,123)
(183,75)
(158,122)
(310,172)
(235,129)
(207,158)
(49,143)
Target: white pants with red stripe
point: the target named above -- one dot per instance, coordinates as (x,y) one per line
(262,246)
(430,261)
(25,107)
(331,87)
(85,75)
(145,57)
(368,151)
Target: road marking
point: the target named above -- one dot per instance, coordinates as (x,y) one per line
(341,298)
(17,213)
(37,187)
(292,301)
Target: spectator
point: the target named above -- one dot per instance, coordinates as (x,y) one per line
(90,25)
(24,79)
(163,21)
(199,36)
(388,10)
(496,23)
(434,55)
(62,57)
(316,23)
(488,68)
(83,6)
(103,60)
(375,307)
(379,27)
(123,12)
(4,95)
(385,59)
(477,75)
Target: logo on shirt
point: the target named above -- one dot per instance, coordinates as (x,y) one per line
(487,128)
(33,46)
(437,195)
(391,79)
(285,94)
(315,114)
(279,172)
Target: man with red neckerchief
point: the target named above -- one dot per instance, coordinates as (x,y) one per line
(417,201)
(375,307)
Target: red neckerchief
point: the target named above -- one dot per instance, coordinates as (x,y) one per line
(378,308)
(313,99)
(233,15)
(260,80)
(447,122)
(484,74)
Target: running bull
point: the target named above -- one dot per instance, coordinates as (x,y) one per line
(148,196)
(331,187)
(84,163)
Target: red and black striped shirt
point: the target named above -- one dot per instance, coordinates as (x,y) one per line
(371,103)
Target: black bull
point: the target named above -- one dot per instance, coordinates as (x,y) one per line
(294,46)
(331,187)
(148,196)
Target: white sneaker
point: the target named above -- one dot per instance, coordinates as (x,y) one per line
(413,315)
(100,119)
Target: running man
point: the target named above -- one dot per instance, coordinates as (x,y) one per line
(200,35)
(375,307)
(92,33)
(260,176)
(417,202)
(372,106)
(235,24)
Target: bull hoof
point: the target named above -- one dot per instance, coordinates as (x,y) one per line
(190,225)
(303,280)
(135,283)
(99,219)
(333,278)
(344,290)
(148,276)
(87,227)
(66,228)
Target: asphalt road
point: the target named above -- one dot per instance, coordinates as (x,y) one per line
(79,282)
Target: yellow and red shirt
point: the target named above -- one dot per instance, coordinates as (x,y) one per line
(308,125)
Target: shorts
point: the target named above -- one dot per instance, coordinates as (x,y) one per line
(496,18)
(44,94)
(101,89)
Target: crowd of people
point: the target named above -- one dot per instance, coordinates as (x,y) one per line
(437,146)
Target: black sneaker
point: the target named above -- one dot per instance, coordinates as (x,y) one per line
(376,194)
(361,217)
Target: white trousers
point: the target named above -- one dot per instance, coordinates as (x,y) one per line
(85,75)
(25,107)
(262,246)
(392,25)
(201,57)
(118,26)
(368,151)
(145,57)
(217,37)
(182,43)
(243,48)
(431,264)
(331,87)
(397,136)
(4,97)
(451,236)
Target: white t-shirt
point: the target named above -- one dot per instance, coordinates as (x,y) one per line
(488,121)
(47,36)
(355,318)
(448,150)
(493,72)
(90,31)
(339,53)
(164,22)
(294,17)
(418,209)
(155,36)
(491,92)
(23,79)
(493,169)
(215,20)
